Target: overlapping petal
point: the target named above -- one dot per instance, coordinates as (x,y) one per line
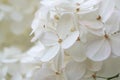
(75,72)
(50,53)
(98,50)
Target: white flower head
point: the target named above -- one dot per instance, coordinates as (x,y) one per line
(77,36)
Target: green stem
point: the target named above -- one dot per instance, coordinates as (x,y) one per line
(101,77)
(110,78)
(116,76)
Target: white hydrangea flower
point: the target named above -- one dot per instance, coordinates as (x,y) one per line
(54,9)
(70,72)
(73,31)
(57,44)
(77,51)
(106,9)
(107,43)
(77,70)
(47,73)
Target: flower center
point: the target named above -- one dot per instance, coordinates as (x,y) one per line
(57,73)
(56,17)
(99,17)
(60,41)
(78,39)
(106,36)
(72,29)
(77,9)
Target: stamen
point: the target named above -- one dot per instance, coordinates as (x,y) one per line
(56,17)
(78,39)
(94,76)
(106,36)
(116,32)
(77,9)
(72,29)
(57,73)
(43,26)
(60,41)
(99,17)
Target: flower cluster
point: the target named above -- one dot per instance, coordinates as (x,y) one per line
(76,38)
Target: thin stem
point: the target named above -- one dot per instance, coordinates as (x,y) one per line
(109,78)
(101,77)
(116,76)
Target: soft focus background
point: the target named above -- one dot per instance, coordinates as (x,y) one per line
(15,21)
(15,39)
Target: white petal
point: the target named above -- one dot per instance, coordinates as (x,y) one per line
(94,24)
(94,66)
(74,70)
(89,3)
(77,51)
(88,74)
(118,4)
(17,77)
(34,53)
(70,40)
(106,9)
(113,23)
(3,70)
(51,77)
(40,19)
(16,16)
(94,27)
(28,59)
(98,50)
(14,69)
(9,60)
(49,38)
(58,61)
(43,74)
(110,68)
(64,25)
(36,49)
(88,6)
(115,44)
(50,53)
(37,34)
